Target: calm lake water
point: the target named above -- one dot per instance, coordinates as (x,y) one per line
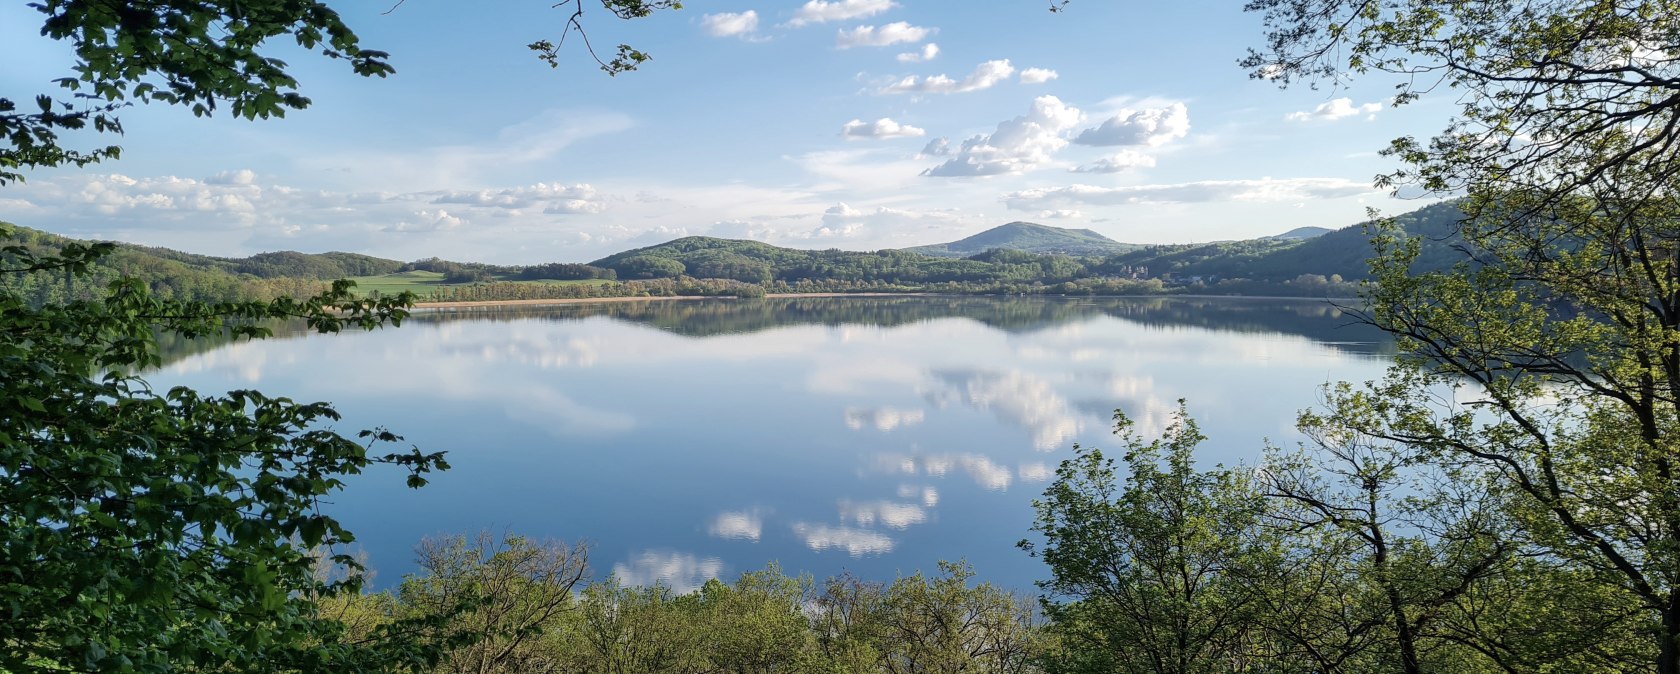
(691,439)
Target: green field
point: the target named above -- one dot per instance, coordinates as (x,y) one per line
(424,282)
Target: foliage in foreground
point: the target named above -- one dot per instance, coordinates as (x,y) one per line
(519,605)
(145,530)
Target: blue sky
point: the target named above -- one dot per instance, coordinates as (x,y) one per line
(856,124)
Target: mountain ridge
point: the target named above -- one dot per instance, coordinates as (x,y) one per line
(1028,237)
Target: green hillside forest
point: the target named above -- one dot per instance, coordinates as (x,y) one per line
(1017,258)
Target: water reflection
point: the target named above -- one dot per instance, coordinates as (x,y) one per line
(743,525)
(682,572)
(855,542)
(877,435)
(882,418)
(886,513)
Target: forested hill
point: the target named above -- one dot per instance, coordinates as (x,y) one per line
(1321,265)
(1031,238)
(1302,233)
(188,276)
(283,264)
(754,262)
(1342,252)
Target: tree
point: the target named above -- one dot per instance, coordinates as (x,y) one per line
(1552,96)
(1145,576)
(1378,549)
(495,598)
(170,530)
(1559,332)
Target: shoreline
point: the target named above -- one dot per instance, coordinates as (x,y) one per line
(471,304)
(467,304)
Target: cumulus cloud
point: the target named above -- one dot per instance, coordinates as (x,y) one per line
(818,11)
(427,221)
(239,177)
(1017,145)
(1059,214)
(1333,110)
(898,32)
(843,220)
(730,24)
(1151,126)
(1265,189)
(1038,75)
(881,128)
(938,147)
(985,76)
(928,52)
(1115,163)
(551,198)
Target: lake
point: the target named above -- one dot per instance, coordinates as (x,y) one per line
(690,439)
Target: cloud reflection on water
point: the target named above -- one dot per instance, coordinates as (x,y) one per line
(1017,397)
(680,571)
(888,513)
(882,418)
(856,542)
(738,525)
(985,472)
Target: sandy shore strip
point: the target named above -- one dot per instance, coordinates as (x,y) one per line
(661,298)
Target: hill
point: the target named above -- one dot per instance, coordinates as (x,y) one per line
(754,262)
(1302,233)
(1029,237)
(1341,252)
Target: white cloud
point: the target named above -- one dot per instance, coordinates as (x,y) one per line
(730,24)
(881,128)
(818,11)
(1059,214)
(985,76)
(898,32)
(1333,110)
(938,147)
(552,198)
(428,221)
(844,220)
(1038,75)
(1150,126)
(1262,190)
(1115,163)
(239,177)
(1017,145)
(928,52)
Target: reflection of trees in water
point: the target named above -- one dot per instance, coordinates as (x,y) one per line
(1316,320)
(173,347)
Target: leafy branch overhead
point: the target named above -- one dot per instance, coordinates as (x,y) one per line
(206,55)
